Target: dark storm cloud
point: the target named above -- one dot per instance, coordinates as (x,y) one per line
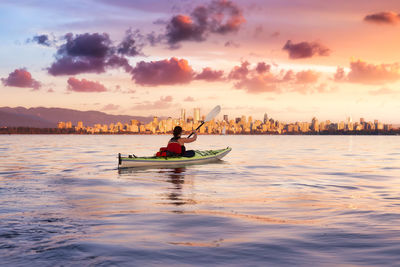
(305,49)
(21,78)
(93,53)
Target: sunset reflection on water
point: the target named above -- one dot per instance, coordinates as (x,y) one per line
(277,199)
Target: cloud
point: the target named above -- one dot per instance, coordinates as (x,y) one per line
(93,53)
(21,78)
(162,103)
(219,17)
(129,45)
(189,99)
(275,34)
(387,17)
(210,75)
(231,44)
(162,72)
(110,107)
(305,49)
(51,90)
(85,86)
(42,39)
(261,79)
(307,76)
(365,73)
(117,61)
(262,67)
(239,72)
(383,91)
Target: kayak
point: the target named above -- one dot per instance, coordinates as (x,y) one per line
(200,157)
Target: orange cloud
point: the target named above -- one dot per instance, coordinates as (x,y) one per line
(163,72)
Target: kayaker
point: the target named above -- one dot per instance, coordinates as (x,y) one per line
(177,143)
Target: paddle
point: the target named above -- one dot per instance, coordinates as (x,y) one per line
(211,115)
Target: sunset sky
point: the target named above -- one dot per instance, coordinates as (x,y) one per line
(293,59)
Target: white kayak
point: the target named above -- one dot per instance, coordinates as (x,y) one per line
(200,157)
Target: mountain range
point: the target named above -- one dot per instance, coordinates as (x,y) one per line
(42,117)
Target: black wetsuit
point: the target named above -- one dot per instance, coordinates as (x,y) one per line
(184,153)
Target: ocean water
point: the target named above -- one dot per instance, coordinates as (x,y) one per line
(273,201)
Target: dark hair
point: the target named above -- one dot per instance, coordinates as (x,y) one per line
(177,131)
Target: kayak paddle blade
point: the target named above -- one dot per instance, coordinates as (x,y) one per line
(213,113)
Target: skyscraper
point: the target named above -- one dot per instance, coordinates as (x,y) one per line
(226,118)
(196,114)
(265,118)
(183,114)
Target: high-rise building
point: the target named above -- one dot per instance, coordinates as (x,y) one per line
(243,119)
(183,114)
(362,120)
(314,125)
(265,118)
(155,120)
(79,125)
(68,125)
(226,118)
(61,125)
(196,114)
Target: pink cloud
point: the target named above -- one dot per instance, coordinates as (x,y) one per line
(307,76)
(239,72)
(110,107)
(210,75)
(305,49)
(362,72)
(260,79)
(387,17)
(85,86)
(162,103)
(189,99)
(163,72)
(21,78)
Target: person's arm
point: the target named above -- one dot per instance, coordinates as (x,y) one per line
(188,140)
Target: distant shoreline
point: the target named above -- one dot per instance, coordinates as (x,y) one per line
(56,131)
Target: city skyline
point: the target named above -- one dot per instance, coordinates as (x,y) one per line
(331,60)
(236,125)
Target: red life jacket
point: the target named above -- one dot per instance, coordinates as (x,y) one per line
(173,149)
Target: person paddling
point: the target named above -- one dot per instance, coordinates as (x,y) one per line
(176,144)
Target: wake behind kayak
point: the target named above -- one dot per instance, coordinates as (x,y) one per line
(200,157)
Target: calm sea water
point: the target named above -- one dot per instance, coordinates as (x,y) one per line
(274,200)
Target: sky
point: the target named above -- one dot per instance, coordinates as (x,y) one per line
(291,59)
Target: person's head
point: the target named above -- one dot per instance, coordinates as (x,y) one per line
(177,131)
